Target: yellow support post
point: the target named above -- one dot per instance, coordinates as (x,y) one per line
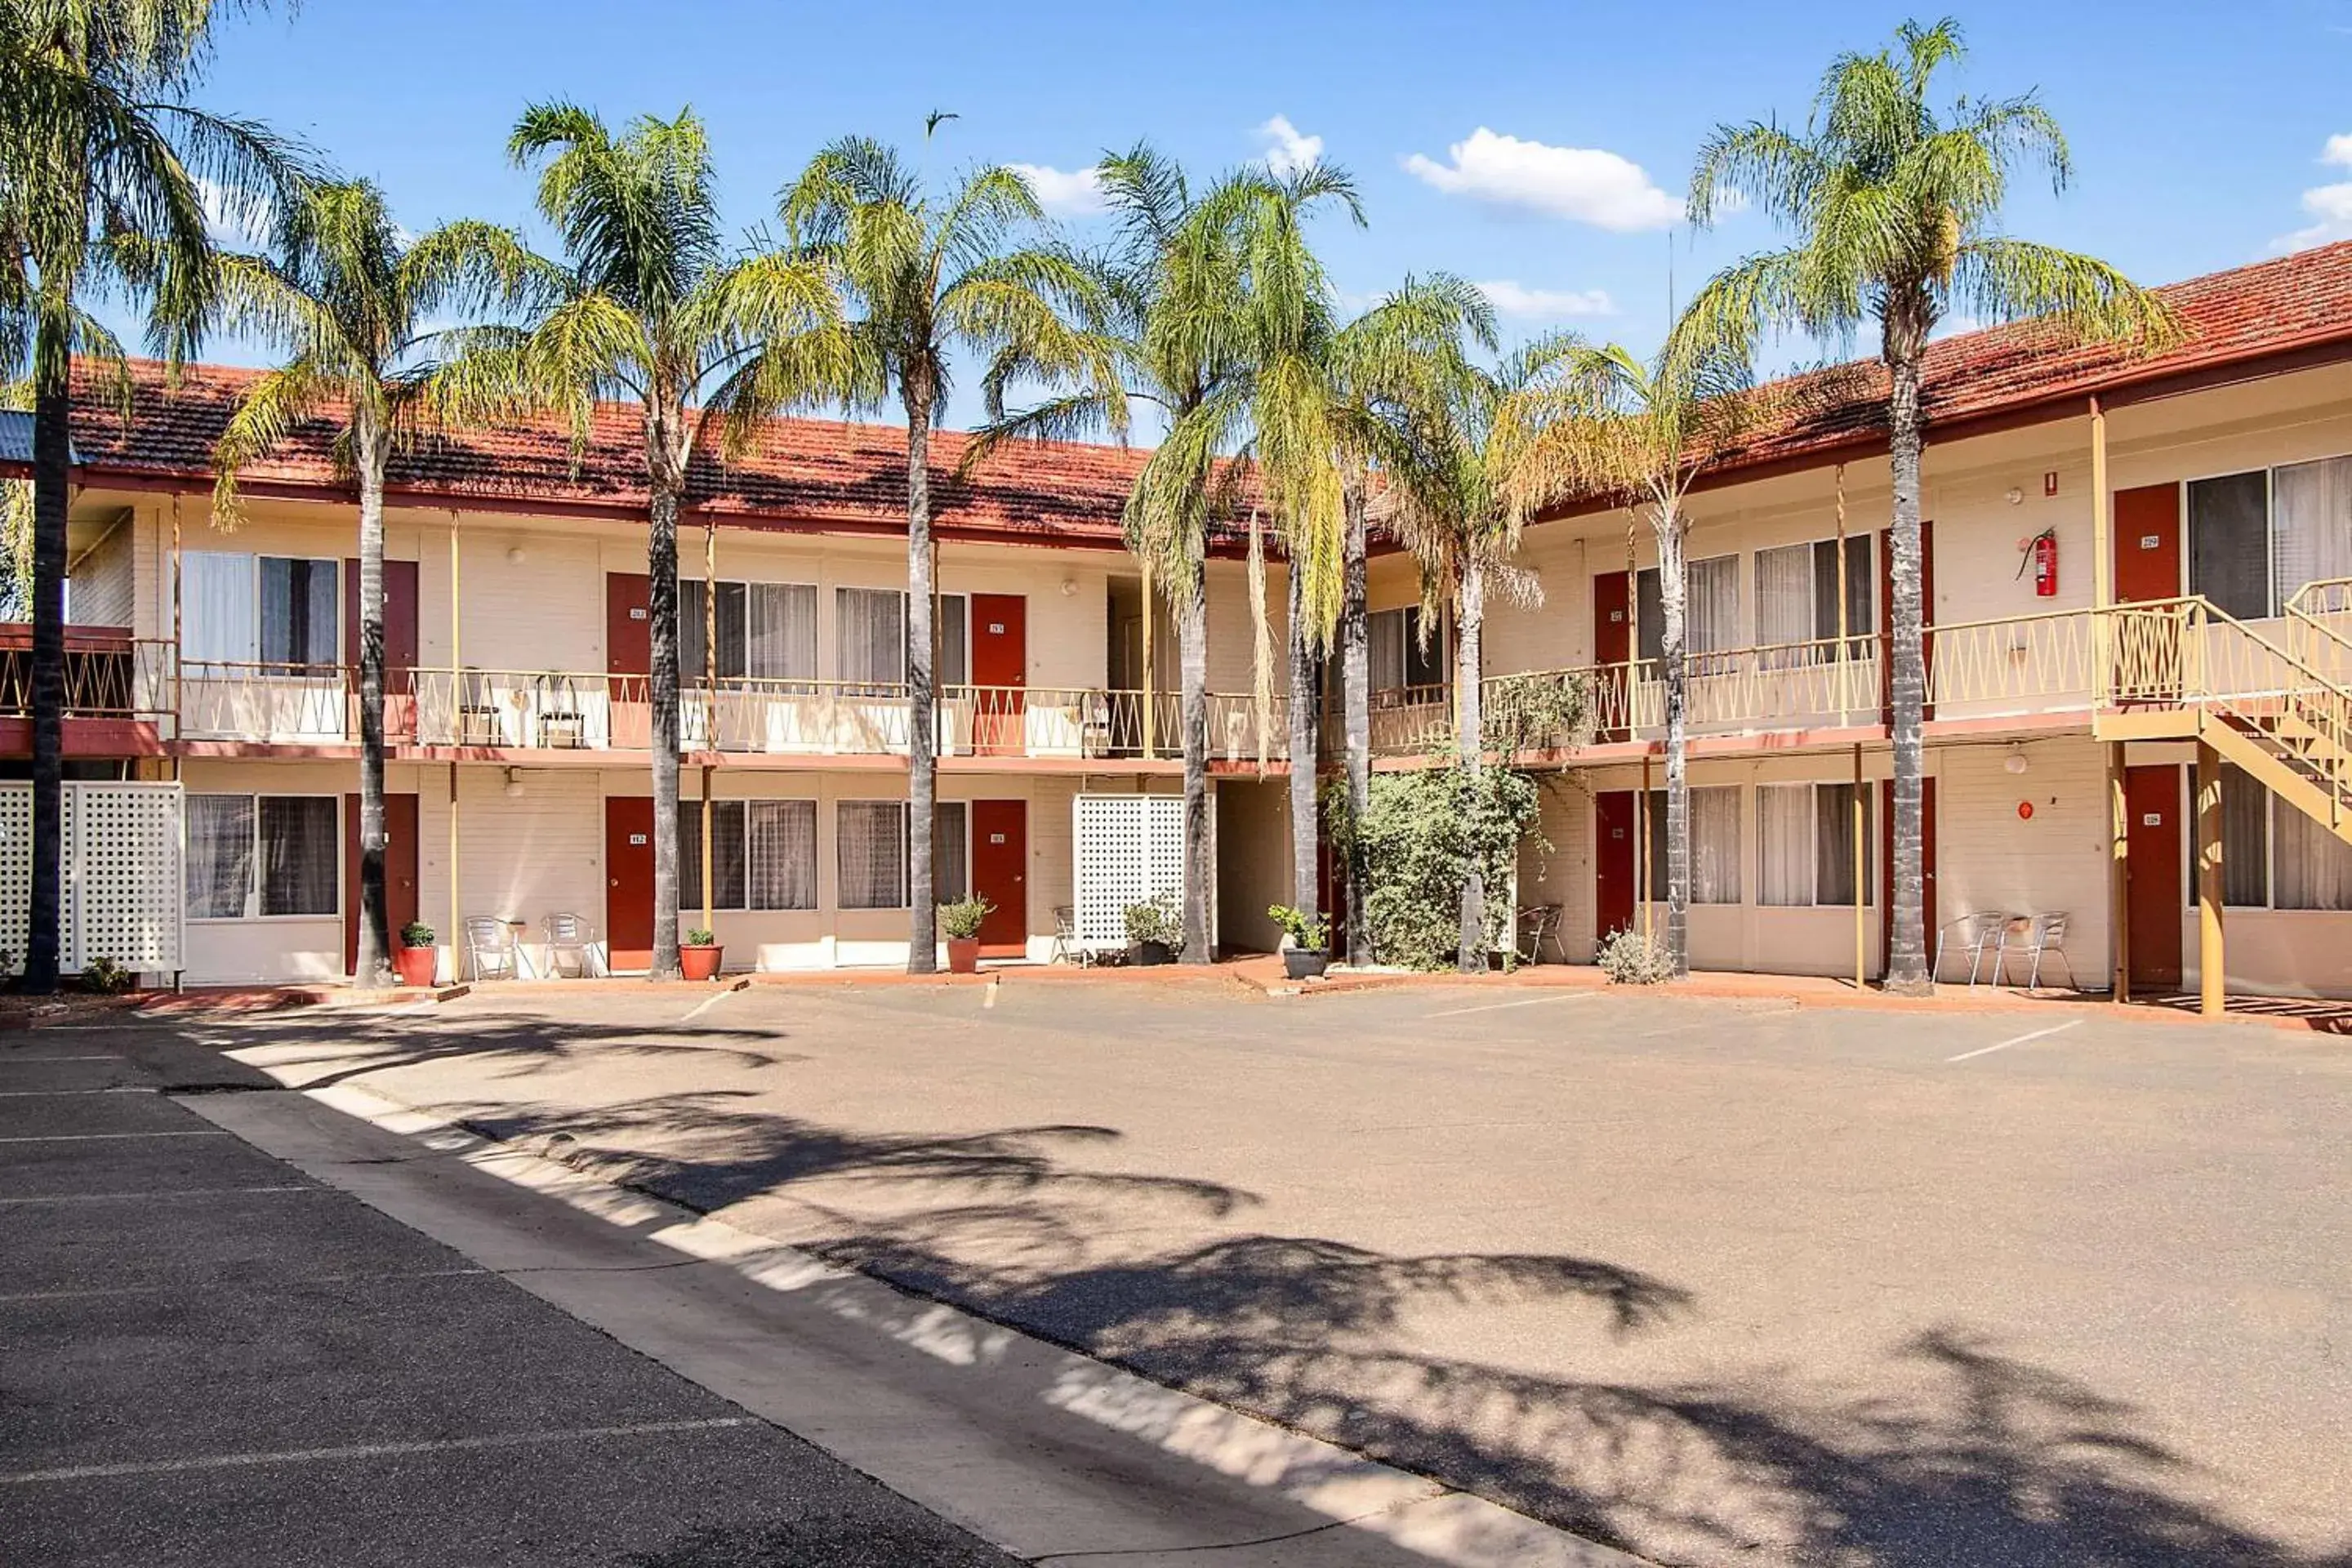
(1151,704)
(2118,876)
(2102,559)
(2211,959)
(1861,861)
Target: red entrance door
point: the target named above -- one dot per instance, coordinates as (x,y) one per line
(2147,543)
(1000,873)
(399,643)
(1612,634)
(1614,826)
(629,660)
(2153,890)
(629,880)
(399,872)
(1000,669)
(1886,866)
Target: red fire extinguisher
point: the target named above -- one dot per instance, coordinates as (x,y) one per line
(2041,551)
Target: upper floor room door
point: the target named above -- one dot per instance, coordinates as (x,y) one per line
(628,656)
(2147,543)
(400,643)
(1000,670)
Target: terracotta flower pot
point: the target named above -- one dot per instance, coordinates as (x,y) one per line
(963,956)
(417,965)
(701,962)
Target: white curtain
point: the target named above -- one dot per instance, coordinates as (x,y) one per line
(1714,844)
(2311,519)
(1784,835)
(219,610)
(2245,840)
(781,836)
(725,854)
(1834,861)
(951,851)
(300,602)
(300,843)
(220,856)
(2311,867)
(952,654)
(1714,605)
(1784,595)
(872,849)
(869,635)
(781,642)
(1384,634)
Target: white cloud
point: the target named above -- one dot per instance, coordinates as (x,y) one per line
(1286,151)
(1511,299)
(1074,191)
(1585,183)
(2329,206)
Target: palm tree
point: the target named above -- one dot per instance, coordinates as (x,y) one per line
(351,302)
(1892,207)
(103,172)
(925,278)
(1589,423)
(649,306)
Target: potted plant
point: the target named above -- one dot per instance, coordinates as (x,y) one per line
(698,955)
(1305,938)
(415,958)
(1155,933)
(961,921)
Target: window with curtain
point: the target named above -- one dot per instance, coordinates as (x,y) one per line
(2228,542)
(1804,848)
(267,855)
(726,880)
(1711,607)
(950,850)
(1714,844)
(767,631)
(762,853)
(301,600)
(220,617)
(2311,524)
(1797,590)
(869,637)
(695,615)
(2245,841)
(870,842)
(2311,869)
(1393,652)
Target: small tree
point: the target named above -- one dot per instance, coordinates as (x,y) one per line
(1423,833)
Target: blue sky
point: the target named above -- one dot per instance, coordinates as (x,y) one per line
(1537,148)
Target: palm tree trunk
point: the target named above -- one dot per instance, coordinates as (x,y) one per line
(1674,595)
(1199,866)
(1305,826)
(1907,958)
(1470,739)
(52,480)
(666,474)
(1356,699)
(375,933)
(922,696)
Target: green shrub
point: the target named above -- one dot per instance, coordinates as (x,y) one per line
(698,937)
(1629,958)
(1423,831)
(1160,920)
(416,933)
(1311,933)
(960,920)
(104,978)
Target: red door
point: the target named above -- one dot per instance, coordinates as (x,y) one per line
(629,880)
(1000,873)
(1886,866)
(1926,616)
(399,643)
(2147,543)
(628,660)
(1000,669)
(1613,633)
(2153,880)
(399,872)
(1614,826)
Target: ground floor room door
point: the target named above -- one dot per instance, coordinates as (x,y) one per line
(399,872)
(1614,829)
(1000,873)
(629,881)
(2154,889)
(1886,867)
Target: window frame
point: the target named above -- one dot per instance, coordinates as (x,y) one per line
(2187,585)
(692,625)
(259,862)
(254,575)
(691,887)
(1654,845)
(1865,875)
(961,611)
(906,844)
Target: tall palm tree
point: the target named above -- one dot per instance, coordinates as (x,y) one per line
(1892,207)
(925,277)
(1591,423)
(650,305)
(353,304)
(104,168)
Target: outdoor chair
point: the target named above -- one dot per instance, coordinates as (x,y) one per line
(2043,936)
(571,935)
(1540,924)
(491,951)
(1067,948)
(1986,930)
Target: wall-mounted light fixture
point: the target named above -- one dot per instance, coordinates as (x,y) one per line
(514,555)
(2015,762)
(514,783)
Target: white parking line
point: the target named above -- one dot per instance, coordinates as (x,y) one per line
(176,1287)
(370,1450)
(705,1005)
(2037,1034)
(86,1056)
(104,1136)
(53,1093)
(152,1197)
(1530,1002)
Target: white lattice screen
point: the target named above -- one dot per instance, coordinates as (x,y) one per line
(1131,850)
(122,889)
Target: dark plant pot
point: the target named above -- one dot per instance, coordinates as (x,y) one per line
(963,956)
(1304,962)
(417,965)
(1149,954)
(700,963)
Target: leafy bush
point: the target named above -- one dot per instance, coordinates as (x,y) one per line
(416,933)
(1160,920)
(1311,933)
(1421,832)
(1629,958)
(960,920)
(699,937)
(1544,710)
(105,977)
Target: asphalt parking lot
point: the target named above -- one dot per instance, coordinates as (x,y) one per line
(211,1359)
(1716,1281)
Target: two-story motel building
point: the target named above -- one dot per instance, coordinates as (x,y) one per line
(2130,556)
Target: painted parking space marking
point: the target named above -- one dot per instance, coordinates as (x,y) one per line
(1530,1002)
(373,1450)
(178,1285)
(111,1137)
(2004,1045)
(173,1194)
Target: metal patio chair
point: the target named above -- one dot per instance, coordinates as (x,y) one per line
(1066,945)
(2044,936)
(570,933)
(1540,924)
(1985,929)
(491,951)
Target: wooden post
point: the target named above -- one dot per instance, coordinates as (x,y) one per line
(1861,859)
(178,697)
(2211,960)
(457,737)
(2118,876)
(1839,665)
(2103,559)
(707,921)
(1642,848)
(709,693)
(456,928)
(1151,704)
